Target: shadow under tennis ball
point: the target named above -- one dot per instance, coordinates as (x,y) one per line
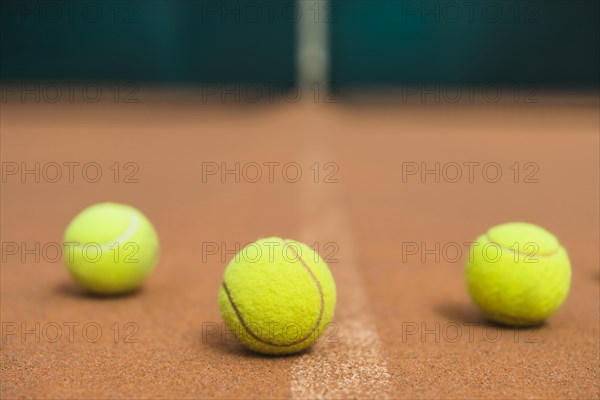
(70,289)
(460,312)
(469,314)
(234,347)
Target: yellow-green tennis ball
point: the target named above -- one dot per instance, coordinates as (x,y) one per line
(110,248)
(277,296)
(518,274)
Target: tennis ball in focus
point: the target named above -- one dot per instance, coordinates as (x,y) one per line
(518,274)
(277,296)
(110,248)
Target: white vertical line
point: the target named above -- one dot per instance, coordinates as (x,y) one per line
(312,45)
(350,362)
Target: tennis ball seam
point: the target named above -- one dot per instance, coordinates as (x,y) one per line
(261,340)
(521,253)
(123,237)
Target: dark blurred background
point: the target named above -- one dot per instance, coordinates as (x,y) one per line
(550,43)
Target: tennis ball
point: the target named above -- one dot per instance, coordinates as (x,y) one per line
(277,296)
(110,248)
(518,274)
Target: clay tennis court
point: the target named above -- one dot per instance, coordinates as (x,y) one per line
(404,326)
(388,136)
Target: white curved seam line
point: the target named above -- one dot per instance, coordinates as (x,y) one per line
(123,238)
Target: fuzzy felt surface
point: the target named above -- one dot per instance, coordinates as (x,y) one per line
(110,248)
(518,274)
(277,296)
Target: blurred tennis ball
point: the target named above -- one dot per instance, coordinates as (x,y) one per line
(110,248)
(518,274)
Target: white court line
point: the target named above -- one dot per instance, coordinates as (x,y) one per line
(312,42)
(354,366)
